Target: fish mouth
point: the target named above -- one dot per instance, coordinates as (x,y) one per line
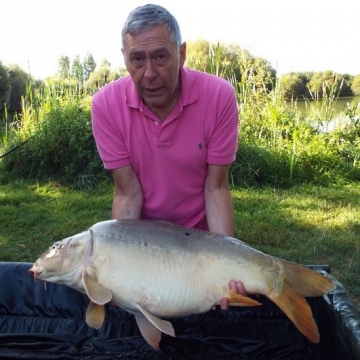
(36,271)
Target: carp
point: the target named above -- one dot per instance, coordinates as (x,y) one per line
(156,270)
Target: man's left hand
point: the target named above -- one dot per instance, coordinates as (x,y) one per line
(236,286)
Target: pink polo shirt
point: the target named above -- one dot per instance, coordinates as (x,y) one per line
(169,158)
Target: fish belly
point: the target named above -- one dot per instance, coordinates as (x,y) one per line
(170,284)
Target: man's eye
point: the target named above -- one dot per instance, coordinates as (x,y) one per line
(137,61)
(160,59)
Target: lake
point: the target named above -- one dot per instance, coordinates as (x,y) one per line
(311,108)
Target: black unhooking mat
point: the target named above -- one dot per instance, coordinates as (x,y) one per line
(48,323)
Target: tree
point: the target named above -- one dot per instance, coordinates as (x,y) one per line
(64,67)
(89,66)
(103,76)
(18,79)
(217,59)
(230,61)
(256,72)
(355,86)
(328,83)
(77,69)
(5,86)
(294,85)
(345,81)
(105,63)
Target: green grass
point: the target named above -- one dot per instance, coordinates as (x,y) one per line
(306,224)
(32,216)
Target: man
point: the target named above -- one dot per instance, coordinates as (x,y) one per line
(167,133)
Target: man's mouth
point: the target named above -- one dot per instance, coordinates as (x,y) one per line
(152,90)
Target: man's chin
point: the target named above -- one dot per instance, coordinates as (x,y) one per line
(154,101)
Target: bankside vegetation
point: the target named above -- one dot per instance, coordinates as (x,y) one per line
(295,182)
(280,146)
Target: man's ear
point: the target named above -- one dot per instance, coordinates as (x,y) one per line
(182,54)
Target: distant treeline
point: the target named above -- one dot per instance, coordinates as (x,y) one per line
(318,84)
(228,61)
(14,81)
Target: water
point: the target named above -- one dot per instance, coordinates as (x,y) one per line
(313,108)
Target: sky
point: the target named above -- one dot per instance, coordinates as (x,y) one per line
(305,35)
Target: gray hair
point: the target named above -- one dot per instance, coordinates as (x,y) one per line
(147,16)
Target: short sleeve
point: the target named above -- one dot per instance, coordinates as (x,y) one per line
(223,143)
(108,137)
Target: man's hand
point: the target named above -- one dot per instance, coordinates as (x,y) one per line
(238,287)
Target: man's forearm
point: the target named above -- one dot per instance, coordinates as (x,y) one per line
(128,198)
(219,211)
(126,208)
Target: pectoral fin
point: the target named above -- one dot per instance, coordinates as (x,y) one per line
(162,325)
(97,293)
(236,299)
(150,333)
(95,315)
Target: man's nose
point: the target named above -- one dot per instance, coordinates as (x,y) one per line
(150,70)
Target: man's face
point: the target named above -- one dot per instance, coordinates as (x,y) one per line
(153,61)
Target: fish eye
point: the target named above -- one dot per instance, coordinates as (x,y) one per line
(54,250)
(55,245)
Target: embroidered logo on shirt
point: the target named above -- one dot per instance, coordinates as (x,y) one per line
(200,146)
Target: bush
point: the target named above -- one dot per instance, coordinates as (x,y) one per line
(62,146)
(18,79)
(5,86)
(318,164)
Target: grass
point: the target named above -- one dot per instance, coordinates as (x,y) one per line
(34,215)
(306,224)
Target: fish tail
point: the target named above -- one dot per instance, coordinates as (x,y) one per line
(298,283)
